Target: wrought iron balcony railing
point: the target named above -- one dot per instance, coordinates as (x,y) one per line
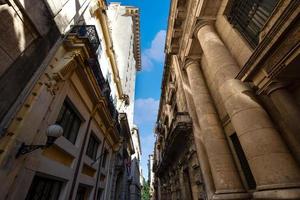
(95,67)
(89,32)
(103,86)
(249,17)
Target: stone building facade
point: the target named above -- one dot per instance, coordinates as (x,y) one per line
(57,58)
(231,90)
(150,175)
(124,21)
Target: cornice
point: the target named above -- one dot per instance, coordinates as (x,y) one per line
(134,13)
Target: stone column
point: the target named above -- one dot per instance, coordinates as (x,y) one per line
(270,161)
(198,140)
(225,174)
(290,114)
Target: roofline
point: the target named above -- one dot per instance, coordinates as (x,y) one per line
(134,13)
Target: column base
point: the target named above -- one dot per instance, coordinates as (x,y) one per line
(278,194)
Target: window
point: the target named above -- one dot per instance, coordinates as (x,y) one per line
(104,158)
(249,17)
(92,148)
(243,161)
(44,189)
(82,193)
(99,195)
(69,121)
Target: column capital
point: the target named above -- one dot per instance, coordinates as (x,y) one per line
(201,23)
(191,60)
(276,85)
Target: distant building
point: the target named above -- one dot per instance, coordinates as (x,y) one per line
(124,22)
(228,123)
(151,176)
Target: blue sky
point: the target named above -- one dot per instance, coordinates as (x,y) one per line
(153,16)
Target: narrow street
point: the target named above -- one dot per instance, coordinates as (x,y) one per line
(149,100)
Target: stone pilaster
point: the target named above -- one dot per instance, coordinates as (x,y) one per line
(224,173)
(270,161)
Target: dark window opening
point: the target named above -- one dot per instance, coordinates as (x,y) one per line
(187,184)
(249,17)
(243,161)
(44,189)
(82,193)
(104,158)
(99,195)
(92,148)
(70,121)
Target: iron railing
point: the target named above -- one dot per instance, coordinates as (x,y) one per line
(90,32)
(249,17)
(95,67)
(103,86)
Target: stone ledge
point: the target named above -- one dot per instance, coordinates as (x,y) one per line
(245,196)
(278,194)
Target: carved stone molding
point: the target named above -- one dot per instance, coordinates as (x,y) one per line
(51,85)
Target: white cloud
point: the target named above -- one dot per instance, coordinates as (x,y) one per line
(145,111)
(156,52)
(145,117)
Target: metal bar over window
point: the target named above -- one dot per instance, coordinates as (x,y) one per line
(249,17)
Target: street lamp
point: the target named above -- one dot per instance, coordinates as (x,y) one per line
(53,132)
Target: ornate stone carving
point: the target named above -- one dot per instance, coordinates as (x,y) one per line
(51,84)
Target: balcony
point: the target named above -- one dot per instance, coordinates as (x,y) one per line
(176,141)
(89,32)
(181,123)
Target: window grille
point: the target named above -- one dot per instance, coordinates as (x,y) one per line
(249,17)
(44,189)
(92,147)
(70,122)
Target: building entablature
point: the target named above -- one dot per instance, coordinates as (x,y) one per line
(180,30)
